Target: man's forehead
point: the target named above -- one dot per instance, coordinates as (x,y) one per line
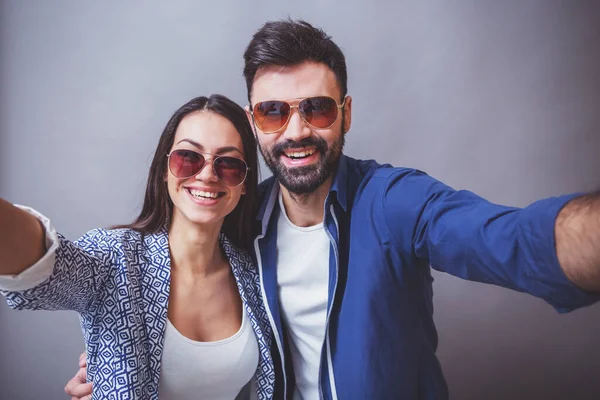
(307,79)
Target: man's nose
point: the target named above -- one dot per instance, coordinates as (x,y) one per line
(296,128)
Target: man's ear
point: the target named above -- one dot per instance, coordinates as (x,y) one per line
(251,121)
(249,115)
(347,114)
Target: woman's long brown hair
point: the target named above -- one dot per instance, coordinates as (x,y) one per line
(158,208)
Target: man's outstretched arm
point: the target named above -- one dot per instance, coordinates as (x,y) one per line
(577,233)
(549,249)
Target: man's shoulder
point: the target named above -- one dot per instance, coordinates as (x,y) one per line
(369,181)
(372,169)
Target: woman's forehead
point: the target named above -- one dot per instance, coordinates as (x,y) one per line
(209,131)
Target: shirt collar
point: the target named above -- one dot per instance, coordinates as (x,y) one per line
(338,192)
(339,186)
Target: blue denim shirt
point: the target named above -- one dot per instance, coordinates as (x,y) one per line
(388,227)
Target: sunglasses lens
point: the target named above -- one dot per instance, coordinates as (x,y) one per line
(270,116)
(320,112)
(185,163)
(230,170)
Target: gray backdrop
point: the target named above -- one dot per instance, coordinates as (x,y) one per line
(498,97)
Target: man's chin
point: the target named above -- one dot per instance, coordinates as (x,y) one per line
(301,182)
(298,171)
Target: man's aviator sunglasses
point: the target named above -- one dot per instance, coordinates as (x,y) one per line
(319,112)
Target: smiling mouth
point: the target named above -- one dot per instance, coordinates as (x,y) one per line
(298,155)
(202,194)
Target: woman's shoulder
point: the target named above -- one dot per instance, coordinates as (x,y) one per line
(108,235)
(236,254)
(125,244)
(125,239)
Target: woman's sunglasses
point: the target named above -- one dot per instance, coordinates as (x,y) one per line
(187,163)
(319,112)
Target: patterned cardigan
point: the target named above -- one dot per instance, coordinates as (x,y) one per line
(118,281)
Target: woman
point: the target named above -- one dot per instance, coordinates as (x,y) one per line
(169,304)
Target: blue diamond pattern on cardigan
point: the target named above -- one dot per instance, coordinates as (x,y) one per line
(118,281)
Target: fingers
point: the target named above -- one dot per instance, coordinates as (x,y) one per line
(82,360)
(81,375)
(81,391)
(77,386)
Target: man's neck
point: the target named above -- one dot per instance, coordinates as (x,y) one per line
(306,209)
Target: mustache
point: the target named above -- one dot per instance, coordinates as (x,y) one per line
(319,143)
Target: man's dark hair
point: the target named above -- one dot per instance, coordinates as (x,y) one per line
(287,43)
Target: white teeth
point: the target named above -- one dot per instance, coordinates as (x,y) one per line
(202,193)
(300,154)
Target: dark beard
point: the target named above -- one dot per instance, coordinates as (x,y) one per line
(305,179)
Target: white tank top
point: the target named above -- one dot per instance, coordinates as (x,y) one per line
(207,370)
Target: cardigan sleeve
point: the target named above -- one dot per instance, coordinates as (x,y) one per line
(67,277)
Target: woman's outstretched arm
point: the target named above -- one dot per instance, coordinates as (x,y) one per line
(22,239)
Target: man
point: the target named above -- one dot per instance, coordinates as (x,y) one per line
(344,247)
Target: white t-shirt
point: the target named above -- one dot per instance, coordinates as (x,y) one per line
(303,281)
(207,370)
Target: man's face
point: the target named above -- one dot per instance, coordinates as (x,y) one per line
(301,157)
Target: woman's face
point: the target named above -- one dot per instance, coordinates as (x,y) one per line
(202,198)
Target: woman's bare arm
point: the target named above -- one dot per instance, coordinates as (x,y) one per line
(22,239)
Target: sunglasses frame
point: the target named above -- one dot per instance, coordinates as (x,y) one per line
(300,100)
(212,163)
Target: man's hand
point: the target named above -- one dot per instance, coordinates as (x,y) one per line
(77,387)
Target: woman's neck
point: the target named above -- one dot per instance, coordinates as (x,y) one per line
(195,249)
